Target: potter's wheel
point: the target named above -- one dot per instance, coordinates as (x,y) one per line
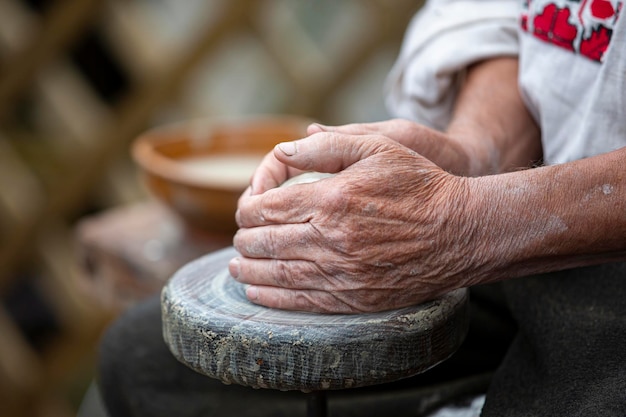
(210,326)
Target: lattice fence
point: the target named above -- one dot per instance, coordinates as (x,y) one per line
(79,79)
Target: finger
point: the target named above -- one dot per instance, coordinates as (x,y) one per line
(317,128)
(405,132)
(330,151)
(293,274)
(284,241)
(351,129)
(298,300)
(290,205)
(270,174)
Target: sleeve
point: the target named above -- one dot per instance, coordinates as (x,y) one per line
(442,40)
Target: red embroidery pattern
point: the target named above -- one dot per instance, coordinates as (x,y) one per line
(552,26)
(602,9)
(596,44)
(580,26)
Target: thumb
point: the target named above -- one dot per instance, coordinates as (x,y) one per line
(350,129)
(331,151)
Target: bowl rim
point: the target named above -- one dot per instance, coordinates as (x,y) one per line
(147,158)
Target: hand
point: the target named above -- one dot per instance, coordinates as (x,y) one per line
(384,233)
(444,150)
(450,152)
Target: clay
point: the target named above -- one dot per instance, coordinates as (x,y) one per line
(306,178)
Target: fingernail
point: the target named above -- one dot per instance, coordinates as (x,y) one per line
(234,267)
(320,127)
(288,148)
(252,293)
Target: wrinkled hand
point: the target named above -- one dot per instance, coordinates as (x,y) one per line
(452,153)
(385,232)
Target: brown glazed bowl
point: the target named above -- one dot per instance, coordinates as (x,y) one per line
(200,168)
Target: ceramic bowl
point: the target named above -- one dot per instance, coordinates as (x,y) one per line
(200,168)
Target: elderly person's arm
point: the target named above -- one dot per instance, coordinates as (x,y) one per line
(373,239)
(393,229)
(491,131)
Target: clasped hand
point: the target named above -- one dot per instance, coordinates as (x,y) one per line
(387,231)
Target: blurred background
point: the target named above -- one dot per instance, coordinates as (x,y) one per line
(79,80)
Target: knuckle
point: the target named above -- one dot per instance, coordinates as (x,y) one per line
(253,244)
(265,209)
(269,242)
(282,275)
(328,278)
(303,301)
(264,214)
(335,197)
(363,301)
(346,241)
(314,301)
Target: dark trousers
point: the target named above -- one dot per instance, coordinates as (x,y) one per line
(569,355)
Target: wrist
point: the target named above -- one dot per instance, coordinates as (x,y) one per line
(520,225)
(465,244)
(509,234)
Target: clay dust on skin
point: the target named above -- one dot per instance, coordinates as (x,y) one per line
(600,190)
(537,225)
(607,189)
(541,227)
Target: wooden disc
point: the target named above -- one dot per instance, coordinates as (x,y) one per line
(210,326)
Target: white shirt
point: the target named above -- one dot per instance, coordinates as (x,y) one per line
(576,93)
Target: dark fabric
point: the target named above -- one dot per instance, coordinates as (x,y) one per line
(569,356)
(139,377)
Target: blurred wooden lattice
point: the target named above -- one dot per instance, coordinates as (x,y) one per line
(64,137)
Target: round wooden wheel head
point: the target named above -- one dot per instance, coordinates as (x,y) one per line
(210,326)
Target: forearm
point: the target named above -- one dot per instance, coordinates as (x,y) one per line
(491,122)
(551,218)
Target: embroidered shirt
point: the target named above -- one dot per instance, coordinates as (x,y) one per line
(572,66)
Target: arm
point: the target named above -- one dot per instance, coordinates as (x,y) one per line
(490,132)
(553,217)
(566,216)
(491,123)
(393,229)
(372,238)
